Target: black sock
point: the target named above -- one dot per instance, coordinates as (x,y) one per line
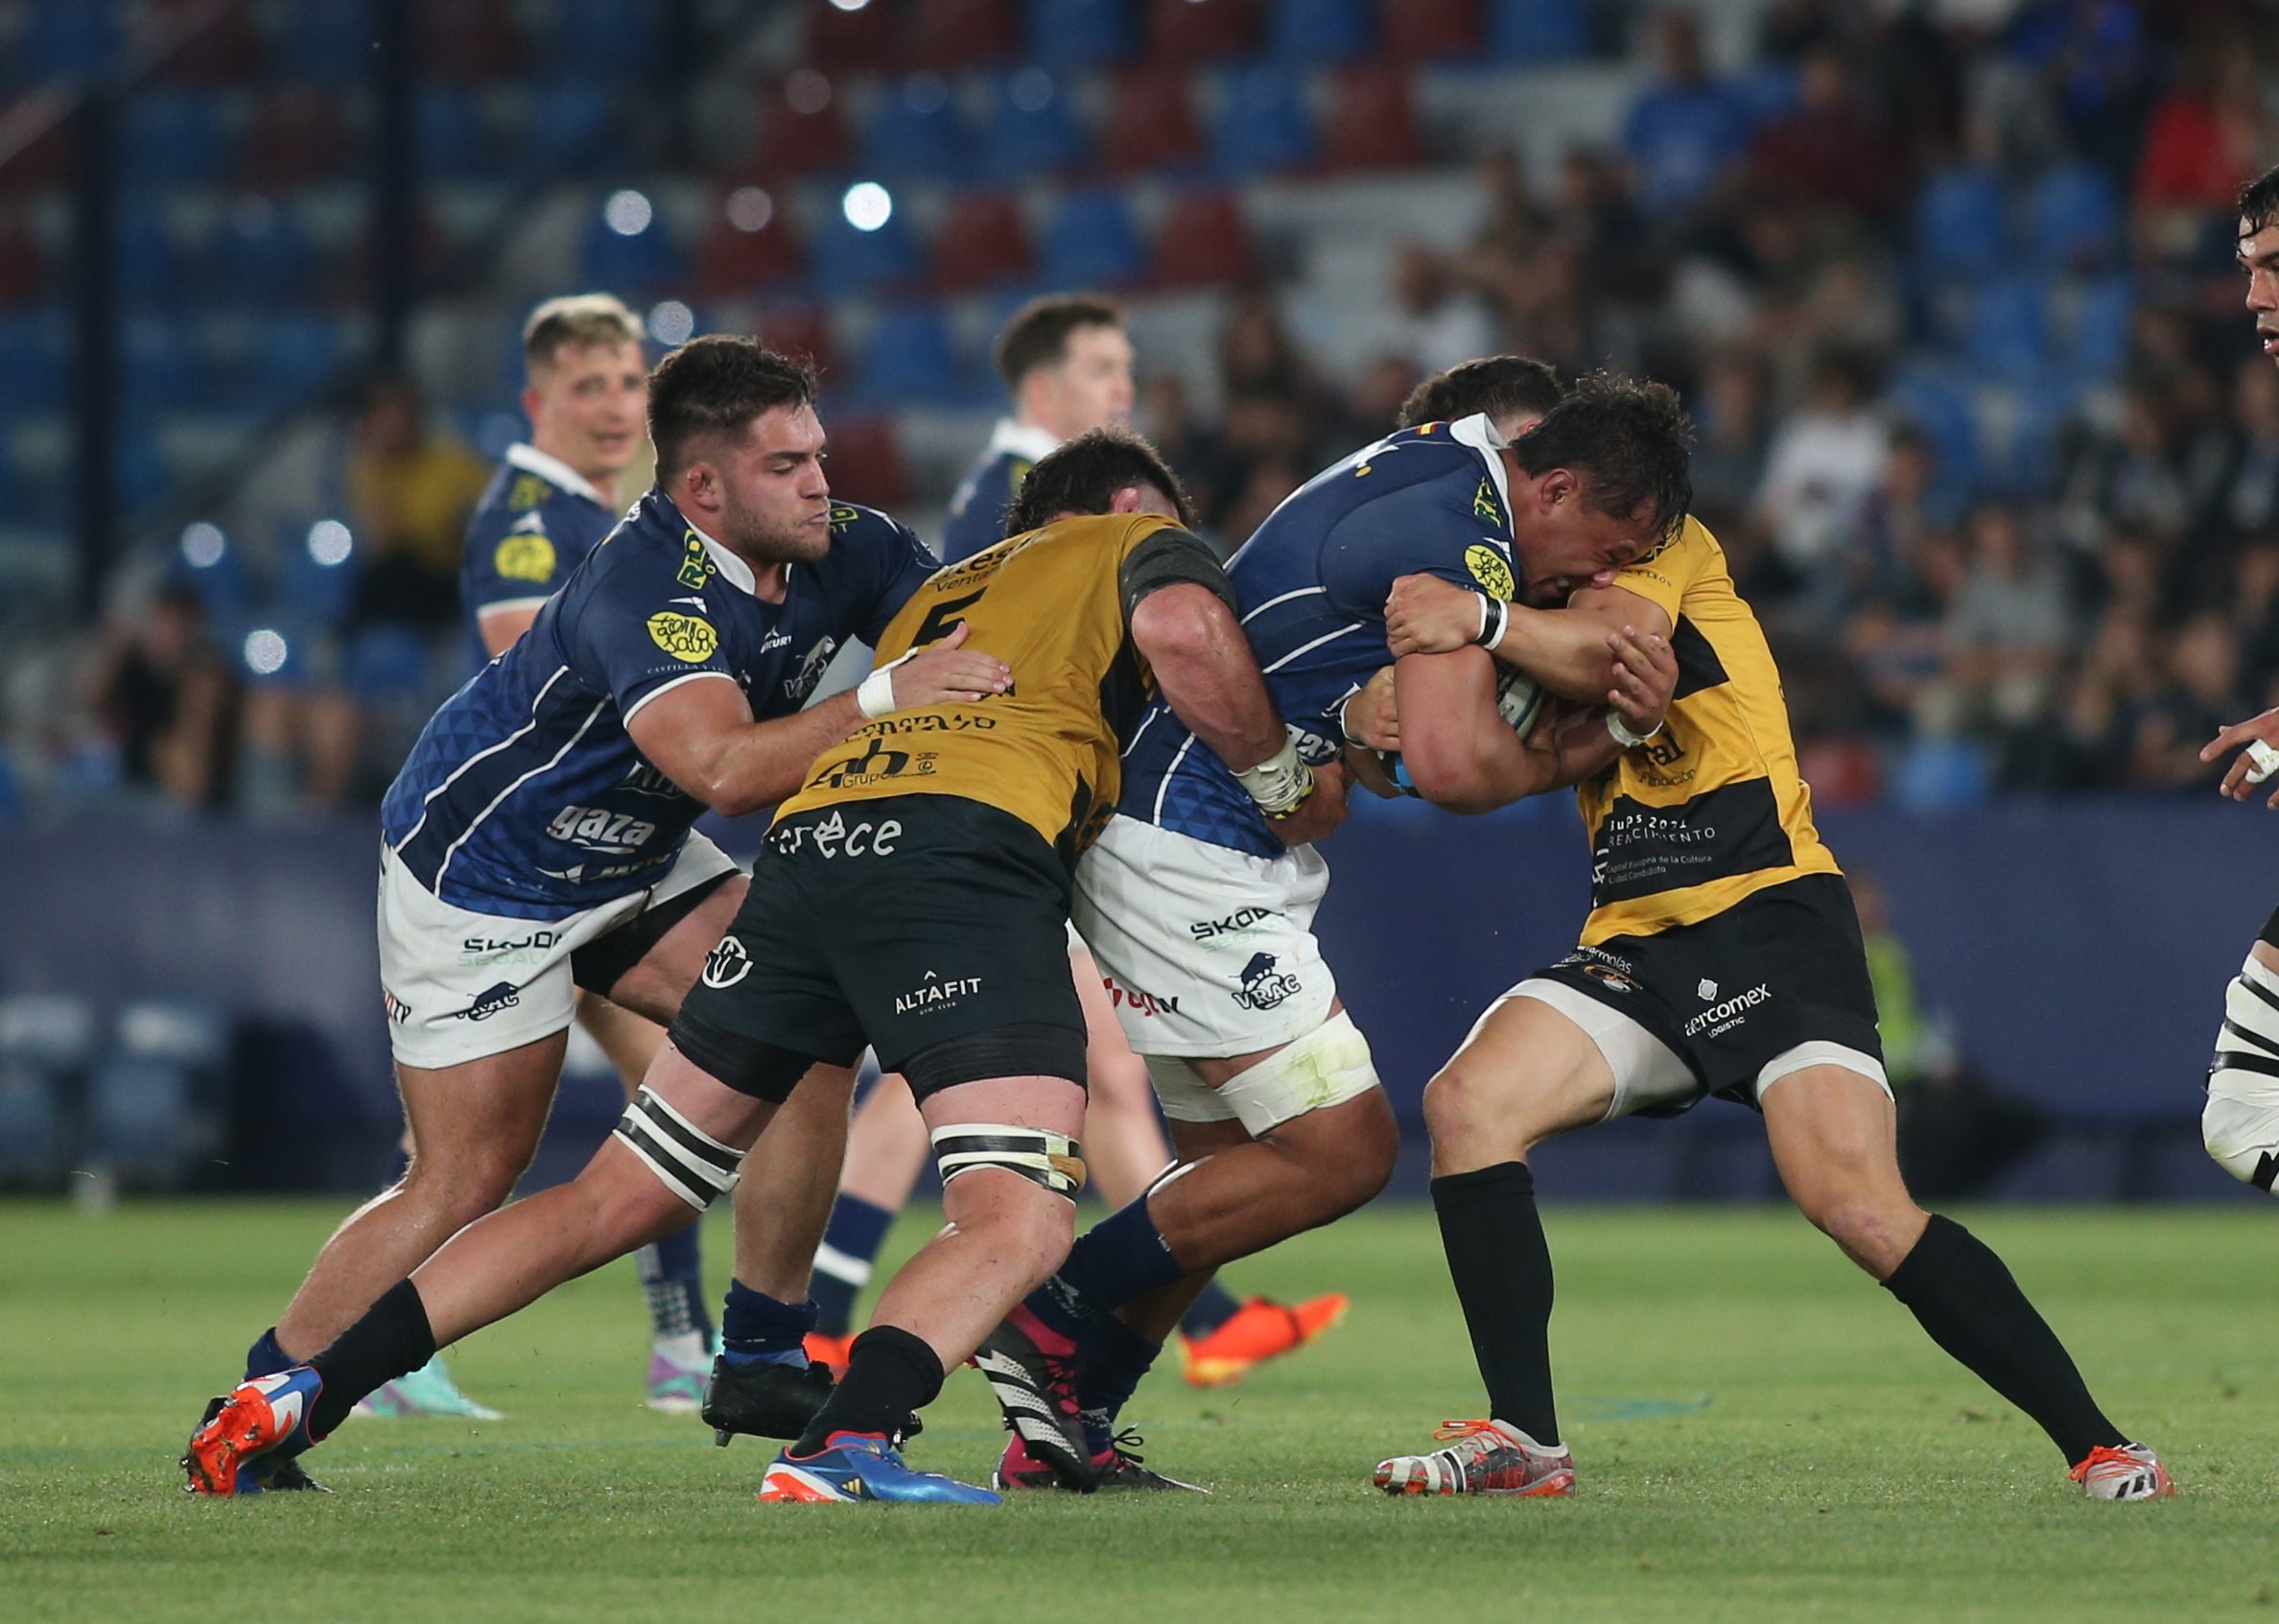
(889,1373)
(1954,1285)
(392,1339)
(1501,1265)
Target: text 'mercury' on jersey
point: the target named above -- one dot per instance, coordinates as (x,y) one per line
(525,796)
(977,511)
(1312,583)
(536,522)
(1711,809)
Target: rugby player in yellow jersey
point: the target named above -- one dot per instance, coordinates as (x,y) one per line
(1721,956)
(913,901)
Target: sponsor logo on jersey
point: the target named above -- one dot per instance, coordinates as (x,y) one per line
(727,963)
(1728,1013)
(1704,989)
(874,766)
(1484,503)
(689,638)
(935,993)
(598,829)
(842,516)
(531,949)
(1488,569)
(802,682)
(696,566)
(1132,998)
(504,996)
(524,555)
(1606,975)
(1661,755)
(528,490)
(834,837)
(774,640)
(398,1011)
(646,779)
(1263,986)
(1240,920)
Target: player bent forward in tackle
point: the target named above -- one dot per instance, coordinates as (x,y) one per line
(1721,956)
(913,899)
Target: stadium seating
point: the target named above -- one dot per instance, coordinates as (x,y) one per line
(1204,241)
(1090,242)
(1187,31)
(468,41)
(915,132)
(1033,129)
(220,47)
(1262,126)
(862,40)
(1079,33)
(2073,216)
(950,36)
(1371,122)
(47,1045)
(982,244)
(258,255)
(866,462)
(34,346)
(801,129)
(909,358)
(2099,342)
(73,39)
(326,41)
(733,262)
(1151,124)
(452,135)
(850,260)
(1427,30)
(1959,226)
(1526,32)
(2006,337)
(1309,32)
(567,119)
(295,136)
(638,264)
(804,329)
(173,137)
(602,38)
(23,268)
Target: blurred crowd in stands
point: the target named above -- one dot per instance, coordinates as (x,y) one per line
(1981,420)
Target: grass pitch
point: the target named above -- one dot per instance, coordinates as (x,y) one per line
(1760,1434)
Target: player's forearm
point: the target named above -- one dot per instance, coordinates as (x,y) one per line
(1459,752)
(1563,649)
(1583,750)
(764,761)
(1207,673)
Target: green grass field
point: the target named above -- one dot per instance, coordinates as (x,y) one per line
(1760,1433)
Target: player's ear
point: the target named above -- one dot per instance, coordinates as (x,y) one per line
(1129,499)
(1558,487)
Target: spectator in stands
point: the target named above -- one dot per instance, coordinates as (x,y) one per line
(1435,320)
(1835,149)
(2255,615)
(2202,696)
(167,697)
(2248,504)
(1823,462)
(1686,132)
(1730,435)
(410,492)
(2006,633)
(1191,446)
(2207,137)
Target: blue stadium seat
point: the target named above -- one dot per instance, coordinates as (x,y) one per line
(1767,90)
(605,38)
(34,349)
(1092,242)
(1522,32)
(847,260)
(326,41)
(2098,343)
(258,255)
(2074,216)
(644,262)
(1306,32)
(386,665)
(292,356)
(1941,775)
(910,359)
(1033,128)
(55,1031)
(139,474)
(149,260)
(2006,338)
(313,596)
(1680,139)
(47,1045)
(172,137)
(1079,33)
(146,1124)
(1264,124)
(32,1146)
(915,130)
(449,131)
(567,117)
(1939,404)
(67,38)
(157,370)
(1959,224)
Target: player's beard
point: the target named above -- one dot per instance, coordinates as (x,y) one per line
(766,541)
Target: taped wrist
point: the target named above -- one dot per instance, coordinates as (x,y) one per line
(1624,736)
(1051,1161)
(1280,783)
(874,694)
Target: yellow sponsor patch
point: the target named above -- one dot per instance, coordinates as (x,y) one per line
(1484,503)
(841,516)
(1488,568)
(528,492)
(696,566)
(525,557)
(684,637)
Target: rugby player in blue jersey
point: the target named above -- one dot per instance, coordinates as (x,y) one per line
(1202,919)
(539,838)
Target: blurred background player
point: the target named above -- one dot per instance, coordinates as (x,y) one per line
(1068,365)
(551,502)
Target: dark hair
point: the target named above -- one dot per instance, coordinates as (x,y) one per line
(2258,202)
(1038,333)
(716,384)
(1628,441)
(1498,385)
(1084,476)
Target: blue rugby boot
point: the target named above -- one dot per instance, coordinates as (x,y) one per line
(862,1465)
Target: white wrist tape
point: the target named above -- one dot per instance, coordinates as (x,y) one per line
(874,696)
(2264,757)
(1280,781)
(1623,736)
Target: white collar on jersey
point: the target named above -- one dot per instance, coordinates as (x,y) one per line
(1022,439)
(1478,433)
(726,562)
(553,471)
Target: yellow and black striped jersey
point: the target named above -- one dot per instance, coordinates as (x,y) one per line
(1051,605)
(1712,808)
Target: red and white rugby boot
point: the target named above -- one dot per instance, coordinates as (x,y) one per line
(1483,1457)
(2129,1472)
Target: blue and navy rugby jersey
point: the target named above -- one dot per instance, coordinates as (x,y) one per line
(977,511)
(1312,585)
(533,526)
(526,798)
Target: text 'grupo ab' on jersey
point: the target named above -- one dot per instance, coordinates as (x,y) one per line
(535,523)
(1312,583)
(525,796)
(1712,808)
(1051,605)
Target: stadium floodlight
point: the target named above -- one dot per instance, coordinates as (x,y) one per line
(628,212)
(867,205)
(671,323)
(750,209)
(850,5)
(330,542)
(266,651)
(203,545)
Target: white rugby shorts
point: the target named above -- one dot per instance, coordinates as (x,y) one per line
(459,985)
(1207,951)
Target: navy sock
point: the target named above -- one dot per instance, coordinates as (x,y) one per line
(267,1357)
(1214,1307)
(756,1326)
(392,1339)
(1122,1257)
(672,1277)
(843,1262)
(1111,1359)
(890,1374)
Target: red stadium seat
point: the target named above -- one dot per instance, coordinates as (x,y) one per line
(800,128)
(23,268)
(1205,240)
(227,50)
(866,464)
(948,35)
(1373,122)
(734,260)
(469,39)
(293,138)
(1151,124)
(1424,31)
(1201,31)
(867,40)
(45,161)
(983,243)
(804,331)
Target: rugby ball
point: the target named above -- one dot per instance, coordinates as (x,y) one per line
(1518,699)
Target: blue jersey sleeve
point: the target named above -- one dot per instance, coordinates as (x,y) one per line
(977,511)
(889,563)
(522,544)
(632,631)
(1434,526)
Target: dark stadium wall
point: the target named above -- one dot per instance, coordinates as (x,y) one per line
(2080,949)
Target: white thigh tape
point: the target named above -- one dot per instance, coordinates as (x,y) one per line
(1054,1160)
(1328,1066)
(694,1165)
(2240,1124)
